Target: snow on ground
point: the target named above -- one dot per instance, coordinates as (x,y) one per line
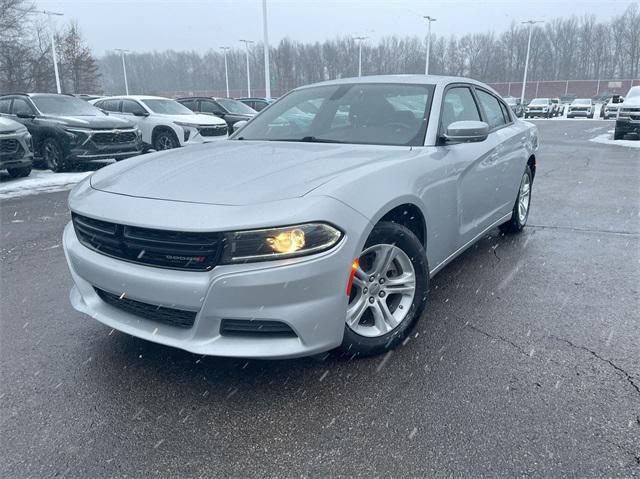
(39,181)
(607,139)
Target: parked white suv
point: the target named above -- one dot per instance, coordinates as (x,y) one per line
(628,119)
(164,123)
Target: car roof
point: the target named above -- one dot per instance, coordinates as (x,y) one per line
(440,80)
(135,97)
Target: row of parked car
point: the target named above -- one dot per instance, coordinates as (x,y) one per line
(63,129)
(60,130)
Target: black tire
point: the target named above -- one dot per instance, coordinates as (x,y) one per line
(165,140)
(517,223)
(19,172)
(387,233)
(53,155)
(618,135)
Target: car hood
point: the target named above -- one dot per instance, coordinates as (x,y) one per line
(630,102)
(98,122)
(196,119)
(238,172)
(10,126)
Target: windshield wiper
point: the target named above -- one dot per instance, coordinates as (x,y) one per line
(313,139)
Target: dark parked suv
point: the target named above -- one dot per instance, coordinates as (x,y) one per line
(230,110)
(66,129)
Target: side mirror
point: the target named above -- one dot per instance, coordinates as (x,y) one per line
(141,113)
(466,132)
(239,124)
(24,115)
(104,111)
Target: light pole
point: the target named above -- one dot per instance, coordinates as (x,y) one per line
(429,20)
(360,40)
(53,45)
(267,76)
(124,68)
(246,44)
(226,69)
(526,62)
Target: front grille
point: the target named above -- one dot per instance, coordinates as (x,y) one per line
(578,108)
(9,146)
(152,247)
(110,138)
(255,328)
(169,316)
(213,130)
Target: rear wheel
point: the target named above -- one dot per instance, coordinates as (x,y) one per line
(19,172)
(53,155)
(389,291)
(520,212)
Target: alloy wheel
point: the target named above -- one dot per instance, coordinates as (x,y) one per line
(383,289)
(165,142)
(524,197)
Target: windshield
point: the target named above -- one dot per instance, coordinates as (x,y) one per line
(634,92)
(166,107)
(65,105)
(582,101)
(377,114)
(235,106)
(540,101)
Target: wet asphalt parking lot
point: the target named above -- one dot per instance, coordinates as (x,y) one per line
(526,363)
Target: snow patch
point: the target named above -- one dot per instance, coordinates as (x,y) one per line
(607,139)
(40,182)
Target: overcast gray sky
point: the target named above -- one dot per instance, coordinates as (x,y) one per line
(147,25)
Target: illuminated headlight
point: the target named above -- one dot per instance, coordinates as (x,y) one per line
(279,243)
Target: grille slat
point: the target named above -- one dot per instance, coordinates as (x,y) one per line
(9,146)
(213,130)
(173,317)
(255,328)
(151,247)
(110,138)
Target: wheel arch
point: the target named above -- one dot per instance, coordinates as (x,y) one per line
(407,211)
(161,128)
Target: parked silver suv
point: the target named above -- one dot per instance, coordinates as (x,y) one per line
(16,149)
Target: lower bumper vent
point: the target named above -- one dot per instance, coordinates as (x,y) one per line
(255,328)
(169,316)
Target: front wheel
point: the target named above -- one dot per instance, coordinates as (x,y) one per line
(389,291)
(520,212)
(165,140)
(53,155)
(19,172)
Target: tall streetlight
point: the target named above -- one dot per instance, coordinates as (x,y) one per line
(526,62)
(226,68)
(124,68)
(360,40)
(267,76)
(246,44)
(429,20)
(53,45)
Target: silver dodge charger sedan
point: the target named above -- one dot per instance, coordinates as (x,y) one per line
(317,225)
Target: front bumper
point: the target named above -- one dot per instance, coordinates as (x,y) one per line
(535,113)
(308,294)
(584,113)
(628,126)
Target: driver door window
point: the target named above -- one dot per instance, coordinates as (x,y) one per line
(20,105)
(458,105)
(132,107)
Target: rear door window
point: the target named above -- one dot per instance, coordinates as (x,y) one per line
(492,109)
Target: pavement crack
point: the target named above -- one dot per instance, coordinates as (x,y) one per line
(628,377)
(498,338)
(585,230)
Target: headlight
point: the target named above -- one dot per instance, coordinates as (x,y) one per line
(77,134)
(278,243)
(186,125)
